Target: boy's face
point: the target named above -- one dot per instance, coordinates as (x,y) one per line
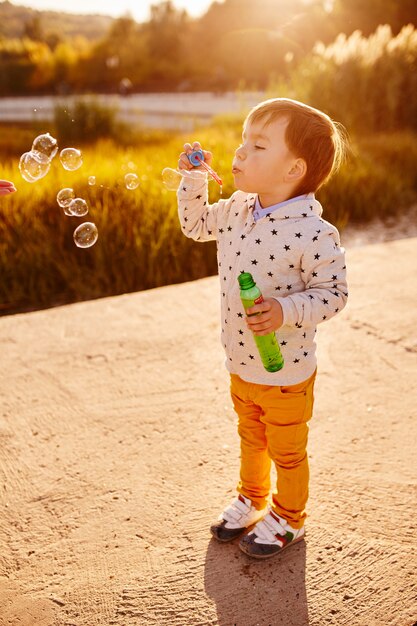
(263,160)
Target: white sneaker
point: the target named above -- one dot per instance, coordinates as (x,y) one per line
(270,536)
(236,518)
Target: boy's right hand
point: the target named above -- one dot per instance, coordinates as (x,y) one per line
(184,163)
(6,187)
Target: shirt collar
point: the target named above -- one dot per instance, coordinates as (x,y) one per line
(259,211)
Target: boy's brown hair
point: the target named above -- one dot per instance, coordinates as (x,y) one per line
(310,134)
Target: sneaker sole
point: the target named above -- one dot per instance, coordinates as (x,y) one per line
(246,528)
(268,556)
(229,539)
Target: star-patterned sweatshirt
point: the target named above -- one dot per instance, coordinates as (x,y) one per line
(293,255)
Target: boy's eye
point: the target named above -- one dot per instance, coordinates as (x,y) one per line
(259,147)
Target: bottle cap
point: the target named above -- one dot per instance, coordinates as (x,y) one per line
(246,280)
(196,157)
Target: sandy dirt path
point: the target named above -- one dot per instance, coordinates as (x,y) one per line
(118,448)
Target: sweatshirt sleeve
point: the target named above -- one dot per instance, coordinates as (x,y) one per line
(199,220)
(323,271)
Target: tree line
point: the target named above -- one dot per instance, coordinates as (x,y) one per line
(236,43)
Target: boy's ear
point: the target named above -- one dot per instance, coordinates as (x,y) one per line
(297,171)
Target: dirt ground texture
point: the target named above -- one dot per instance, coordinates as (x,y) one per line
(118,448)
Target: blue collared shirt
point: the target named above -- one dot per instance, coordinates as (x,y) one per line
(259,211)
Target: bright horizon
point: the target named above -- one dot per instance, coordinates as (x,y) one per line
(140,11)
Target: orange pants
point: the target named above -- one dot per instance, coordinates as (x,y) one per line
(273,425)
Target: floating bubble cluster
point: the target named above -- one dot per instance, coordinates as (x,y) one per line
(36,163)
(85,235)
(131,181)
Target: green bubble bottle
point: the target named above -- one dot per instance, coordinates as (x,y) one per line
(268,347)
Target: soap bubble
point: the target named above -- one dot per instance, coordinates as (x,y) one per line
(33,166)
(78,207)
(71,158)
(91,180)
(85,235)
(46,145)
(64,199)
(112,62)
(125,86)
(131,181)
(171,178)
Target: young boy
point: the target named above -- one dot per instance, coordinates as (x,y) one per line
(272,227)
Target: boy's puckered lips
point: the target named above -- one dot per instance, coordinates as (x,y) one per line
(235,170)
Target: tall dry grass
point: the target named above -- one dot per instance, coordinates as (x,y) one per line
(368,83)
(140,244)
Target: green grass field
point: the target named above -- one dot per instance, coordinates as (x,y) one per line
(140,245)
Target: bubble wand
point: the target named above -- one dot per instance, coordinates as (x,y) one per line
(196,158)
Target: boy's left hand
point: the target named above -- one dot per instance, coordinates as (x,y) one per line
(270,317)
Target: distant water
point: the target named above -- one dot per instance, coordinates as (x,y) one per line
(177,111)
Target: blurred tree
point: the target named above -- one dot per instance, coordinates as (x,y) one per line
(121,55)
(235,44)
(122,30)
(20,60)
(165,30)
(42,75)
(52,39)
(251,39)
(165,35)
(33,29)
(65,57)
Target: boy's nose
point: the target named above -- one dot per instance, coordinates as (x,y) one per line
(240,153)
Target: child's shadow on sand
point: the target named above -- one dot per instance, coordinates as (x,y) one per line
(251,592)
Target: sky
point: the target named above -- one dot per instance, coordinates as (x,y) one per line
(139,9)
